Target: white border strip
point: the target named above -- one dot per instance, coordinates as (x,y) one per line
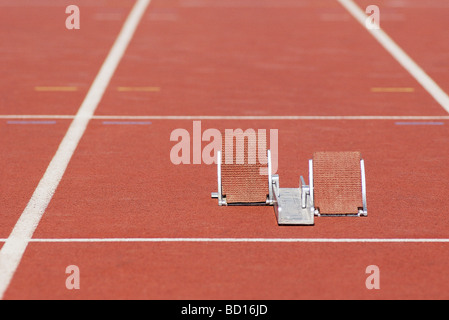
(362,169)
(242,240)
(311,187)
(219,188)
(12,251)
(404,60)
(149,117)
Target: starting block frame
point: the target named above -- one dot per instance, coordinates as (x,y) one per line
(292,206)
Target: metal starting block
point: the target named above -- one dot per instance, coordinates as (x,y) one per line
(337,187)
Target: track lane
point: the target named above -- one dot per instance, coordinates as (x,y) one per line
(16,243)
(421,29)
(122,184)
(38,51)
(232,271)
(284,60)
(25,151)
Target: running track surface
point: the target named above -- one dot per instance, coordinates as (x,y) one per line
(250,59)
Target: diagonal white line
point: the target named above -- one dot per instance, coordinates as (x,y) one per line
(404,60)
(17,242)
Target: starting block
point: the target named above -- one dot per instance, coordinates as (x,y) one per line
(337,187)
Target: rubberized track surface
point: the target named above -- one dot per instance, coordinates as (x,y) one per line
(139,226)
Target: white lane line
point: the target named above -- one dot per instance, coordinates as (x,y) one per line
(411,66)
(149,117)
(36,116)
(243,240)
(14,247)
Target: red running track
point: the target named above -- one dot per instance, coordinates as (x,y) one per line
(208,58)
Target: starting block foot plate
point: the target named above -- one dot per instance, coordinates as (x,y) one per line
(289,210)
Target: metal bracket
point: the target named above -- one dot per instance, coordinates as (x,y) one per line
(364,211)
(219,195)
(292,206)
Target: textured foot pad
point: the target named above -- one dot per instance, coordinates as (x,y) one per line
(242,175)
(337,182)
